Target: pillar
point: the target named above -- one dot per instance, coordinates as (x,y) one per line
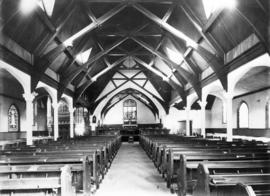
(49,116)
(187,110)
(71,122)
(203,105)
(29,117)
(55,120)
(229,109)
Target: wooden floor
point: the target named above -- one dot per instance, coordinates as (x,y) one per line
(132,173)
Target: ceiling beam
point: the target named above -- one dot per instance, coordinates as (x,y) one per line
(107,108)
(127,80)
(217,64)
(153,110)
(180,90)
(168,13)
(195,83)
(199,26)
(93,25)
(132,1)
(82,88)
(67,77)
(163,24)
(175,43)
(258,26)
(122,34)
(60,22)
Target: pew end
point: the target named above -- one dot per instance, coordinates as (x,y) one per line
(243,190)
(181,175)
(202,186)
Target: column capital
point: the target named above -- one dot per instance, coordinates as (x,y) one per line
(29,97)
(71,109)
(202,103)
(55,105)
(228,95)
(187,108)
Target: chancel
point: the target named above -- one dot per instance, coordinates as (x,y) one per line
(135,97)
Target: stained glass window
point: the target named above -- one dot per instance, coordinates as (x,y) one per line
(130,111)
(13,118)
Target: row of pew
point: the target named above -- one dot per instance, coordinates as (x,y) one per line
(65,167)
(210,167)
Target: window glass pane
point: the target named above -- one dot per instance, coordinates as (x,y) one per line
(243,116)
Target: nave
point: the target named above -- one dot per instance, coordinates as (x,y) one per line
(133,173)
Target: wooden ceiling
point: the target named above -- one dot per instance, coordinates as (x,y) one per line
(138,31)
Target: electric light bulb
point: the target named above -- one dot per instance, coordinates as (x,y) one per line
(28,6)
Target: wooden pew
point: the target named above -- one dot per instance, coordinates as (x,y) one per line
(187,174)
(31,186)
(227,184)
(174,160)
(86,163)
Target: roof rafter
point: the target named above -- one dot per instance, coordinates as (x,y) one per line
(199,25)
(71,74)
(162,23)
(93,25)
(83,87)
(180,90)
(186,75)
(60,22)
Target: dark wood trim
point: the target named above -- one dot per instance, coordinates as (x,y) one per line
(252,92)
(11,97)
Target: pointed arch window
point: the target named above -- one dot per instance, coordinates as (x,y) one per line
(130,111)
(267,114)
(243,115)
(13,118)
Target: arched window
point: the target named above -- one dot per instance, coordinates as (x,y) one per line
(267,115)
(13,118)
(130,111)
(243,115)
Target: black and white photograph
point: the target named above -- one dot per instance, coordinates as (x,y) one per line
(134,97)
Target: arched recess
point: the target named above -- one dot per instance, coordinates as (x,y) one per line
(141,97)
(191,99)
(128,85)
(12,104)
(214,88)
(51,91)
(23,78)
(43,113)
(235,76)
(13,118)
(63,118)
(82,121)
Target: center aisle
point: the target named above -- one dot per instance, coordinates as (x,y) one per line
(132,173)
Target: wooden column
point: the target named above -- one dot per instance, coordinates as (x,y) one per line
(29,117)
(229,109)
(55,120)
(203,105)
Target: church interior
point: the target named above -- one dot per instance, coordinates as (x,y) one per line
(135,97)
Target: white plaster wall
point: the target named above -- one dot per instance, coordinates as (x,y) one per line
(171,121)
(256,104)
(214,116)
(115,115)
